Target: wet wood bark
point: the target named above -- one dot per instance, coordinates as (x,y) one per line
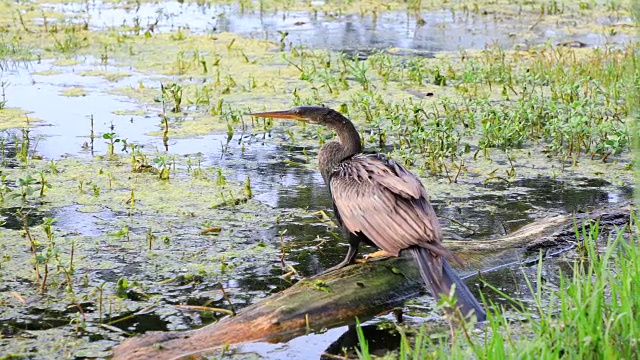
(362,290)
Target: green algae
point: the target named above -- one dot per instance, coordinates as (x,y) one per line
(47,72)
(74,92)
(139,93)
(66,62)
(129,112)
(138,222)
(113,175)
(12,118)
(193,126)
(107,75)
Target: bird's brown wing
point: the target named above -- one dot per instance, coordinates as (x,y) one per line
(384,201)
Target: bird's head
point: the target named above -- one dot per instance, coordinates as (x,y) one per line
(310,114)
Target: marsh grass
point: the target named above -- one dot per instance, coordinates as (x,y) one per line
(60,266)
(432,112)
(12,51)
(565,102)
(590,313)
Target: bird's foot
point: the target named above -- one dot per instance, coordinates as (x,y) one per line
(377,254)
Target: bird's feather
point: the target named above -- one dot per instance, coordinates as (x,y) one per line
(382,200)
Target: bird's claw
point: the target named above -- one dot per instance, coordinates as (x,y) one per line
(377,254)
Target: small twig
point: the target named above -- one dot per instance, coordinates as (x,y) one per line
(18,297)
(22,22)
(214,229)
(487,180)
(73,250)
(296,66)
(459,224)
(165,134)
(226,297)
(44,278)
(205,308)
(537,22)
(81,311)
(291,273)
(112,328)
(455,178)
(447,172)
(32,242)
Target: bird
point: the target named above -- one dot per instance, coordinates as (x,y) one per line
(379,202)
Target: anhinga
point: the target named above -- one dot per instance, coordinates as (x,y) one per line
(381,203)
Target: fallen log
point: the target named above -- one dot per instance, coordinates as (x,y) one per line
(333,299)
(336,298)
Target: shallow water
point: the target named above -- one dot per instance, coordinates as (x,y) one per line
(428,32)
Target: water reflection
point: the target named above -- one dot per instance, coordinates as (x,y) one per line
(380,341)
(526,200)
(438,30)
(70,120)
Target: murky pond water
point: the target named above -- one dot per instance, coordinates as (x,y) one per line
(103,213)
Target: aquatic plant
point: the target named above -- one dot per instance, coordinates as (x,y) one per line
(25,187)
(588,312)
(44,184)
(173,92)
(112,140)
(4,188)
(3,101)
(162,164)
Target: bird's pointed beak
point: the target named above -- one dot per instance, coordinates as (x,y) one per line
(284,114)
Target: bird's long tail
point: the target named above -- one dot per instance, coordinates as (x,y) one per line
(439,276)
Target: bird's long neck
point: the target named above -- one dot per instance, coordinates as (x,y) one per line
(334,152)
